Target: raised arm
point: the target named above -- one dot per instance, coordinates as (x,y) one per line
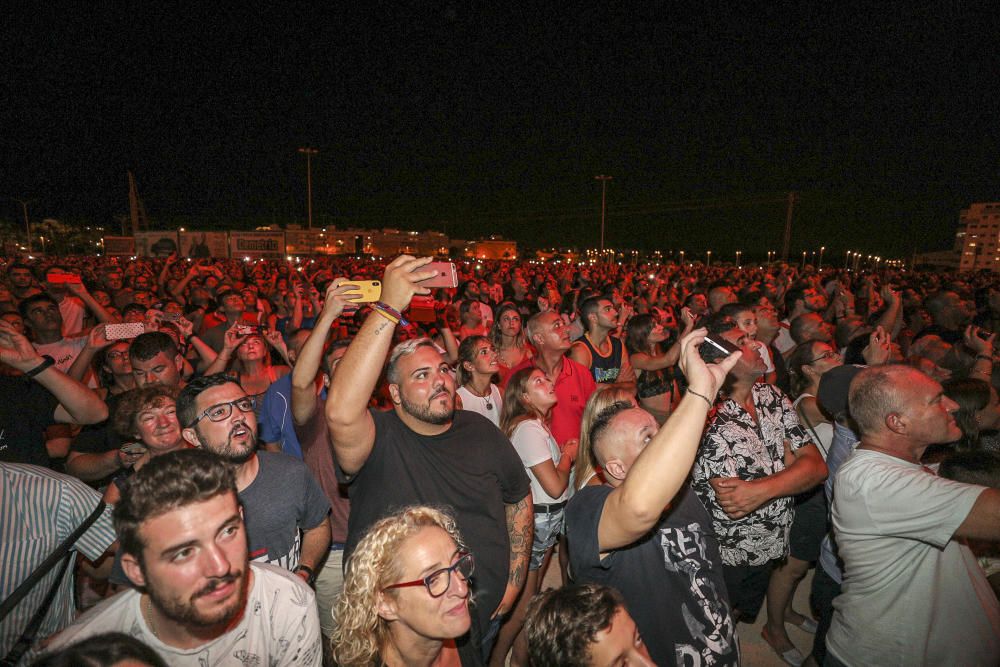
(78,403)
(352,430)
(79,290)
(633,508)
(232,340)
(311,354)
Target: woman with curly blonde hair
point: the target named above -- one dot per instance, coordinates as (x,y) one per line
(406,595)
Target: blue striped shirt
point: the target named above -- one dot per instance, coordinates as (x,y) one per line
(38,510)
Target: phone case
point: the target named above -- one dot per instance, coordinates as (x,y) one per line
(371,290)
(447,275)
(124,330)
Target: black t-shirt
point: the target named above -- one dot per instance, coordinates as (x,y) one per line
(26,410)
(100,438)
(671,579)
(471,469)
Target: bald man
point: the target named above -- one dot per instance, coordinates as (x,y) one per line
(645,533)
(913,593)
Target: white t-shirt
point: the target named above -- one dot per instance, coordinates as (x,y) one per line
(783,342)
(488,408)
(73,311)
(911,594)
(280,626)
(534,444)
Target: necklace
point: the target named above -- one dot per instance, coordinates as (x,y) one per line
(149,613)
(485,397)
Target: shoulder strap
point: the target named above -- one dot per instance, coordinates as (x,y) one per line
(53,558)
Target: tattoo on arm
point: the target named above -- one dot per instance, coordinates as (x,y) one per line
(520,529)
(381,327)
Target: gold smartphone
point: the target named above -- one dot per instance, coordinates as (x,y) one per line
(370,290)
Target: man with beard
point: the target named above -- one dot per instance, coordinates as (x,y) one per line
(599,349)
(425,452)
(197,599)
(913,593)
(279,494)
(798,301)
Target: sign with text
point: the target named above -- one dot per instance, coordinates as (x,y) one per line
(257,245)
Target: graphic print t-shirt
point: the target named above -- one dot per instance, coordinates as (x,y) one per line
(671,579)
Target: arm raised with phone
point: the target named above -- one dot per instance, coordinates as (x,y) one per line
(352,430)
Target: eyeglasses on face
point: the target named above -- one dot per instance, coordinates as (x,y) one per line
(829,354)
(439,581)
(114,355)
(217,413)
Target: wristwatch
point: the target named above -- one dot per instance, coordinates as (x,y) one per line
(310,575)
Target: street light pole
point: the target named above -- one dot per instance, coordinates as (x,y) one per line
(822,249)
(604,203)
(27,226)
(309,152)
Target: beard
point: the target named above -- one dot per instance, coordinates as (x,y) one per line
(428,414)
(229,452)
(186,612)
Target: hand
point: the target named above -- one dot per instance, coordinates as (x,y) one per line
(878,349)
(277,341)
(153,319)
(185,326)
(336,299)
(126,460)
(888,295)
(507,603)
(97,339)
(171,258)
(624,314)
(703,378)
(977,344)
(688,318)
(233,338)
(737,497)
(16,350)
(402,280)
(76,289)
(571,449)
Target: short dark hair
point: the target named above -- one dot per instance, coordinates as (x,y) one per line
(603,420)
(589,307)
(30,301)
(187,399)
(134,307)
(334,346)
(167,482)
(135,401)
(797,293)
(973,467)
(19,265)
(148,345)
(562,623)
(109,648)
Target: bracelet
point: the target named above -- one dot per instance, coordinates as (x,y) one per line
(384,314)
(46,362)
(389,310)
(985,357)
(701,396)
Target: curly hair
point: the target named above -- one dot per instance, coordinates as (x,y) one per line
(361,634)
(562,623)
(135,401)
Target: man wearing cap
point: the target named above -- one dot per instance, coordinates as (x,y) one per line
(913,594)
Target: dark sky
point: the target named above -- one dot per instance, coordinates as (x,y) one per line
(497,118)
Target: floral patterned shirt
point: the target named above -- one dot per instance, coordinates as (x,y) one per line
(735,446)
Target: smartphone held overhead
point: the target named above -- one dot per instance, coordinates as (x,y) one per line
(445,275)
(363,291)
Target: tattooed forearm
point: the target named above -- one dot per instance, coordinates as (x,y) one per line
(520,529)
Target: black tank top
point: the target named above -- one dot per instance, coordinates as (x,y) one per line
(605,369)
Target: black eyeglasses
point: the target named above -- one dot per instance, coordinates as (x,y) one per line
(217,413)
(439,581)
(829,354)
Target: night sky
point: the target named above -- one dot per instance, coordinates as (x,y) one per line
(496,119)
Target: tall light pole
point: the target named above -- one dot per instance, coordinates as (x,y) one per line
(27,226)
(309,152)
(604,203)
(822,249)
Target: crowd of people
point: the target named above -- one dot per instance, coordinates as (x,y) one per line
(247,465)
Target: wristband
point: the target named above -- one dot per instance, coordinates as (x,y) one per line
(985,356)
(384,314)
(46,362)
(701,396)
(389,310)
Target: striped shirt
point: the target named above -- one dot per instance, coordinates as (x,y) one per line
(38,510)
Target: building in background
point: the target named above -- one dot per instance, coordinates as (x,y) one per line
(977,240)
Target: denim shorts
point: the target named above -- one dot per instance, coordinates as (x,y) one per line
(547,529)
